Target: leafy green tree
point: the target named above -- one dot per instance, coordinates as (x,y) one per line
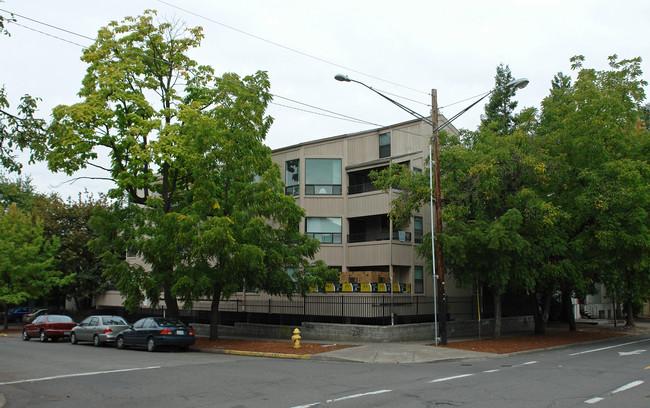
(68,221)
(27,258)
(138,71)
(598,149)
(20,131)
(241,227)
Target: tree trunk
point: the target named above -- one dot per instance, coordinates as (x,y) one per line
(214,313)
(170,302)
(497,315)
(567,308)
(540,328)
(629,314)
(547,297)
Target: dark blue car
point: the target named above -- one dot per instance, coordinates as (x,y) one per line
(16,315)
(154,332)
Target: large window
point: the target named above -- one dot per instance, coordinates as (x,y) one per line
(325,229)
(417,229)
(292,177)
(323,176)
(384,144)
(418,279)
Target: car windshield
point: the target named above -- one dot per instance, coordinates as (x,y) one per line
(169,322)
(115,321)
(59,319)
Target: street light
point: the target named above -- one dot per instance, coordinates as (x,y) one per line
(436,250)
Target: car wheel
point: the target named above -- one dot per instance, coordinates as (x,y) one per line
(25,335)
(43,336)
(96,341)
(151,344)
(73,338)
(119,342)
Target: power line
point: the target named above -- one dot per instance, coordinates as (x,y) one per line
(329,113)
(289,48)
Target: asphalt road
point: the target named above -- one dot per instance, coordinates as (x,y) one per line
(614,373)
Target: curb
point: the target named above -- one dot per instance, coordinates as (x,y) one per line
(254,354)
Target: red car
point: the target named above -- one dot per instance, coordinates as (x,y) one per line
(46,327)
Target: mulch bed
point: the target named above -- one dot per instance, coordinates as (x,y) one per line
(512,344)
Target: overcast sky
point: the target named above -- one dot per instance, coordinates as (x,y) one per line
(405,48)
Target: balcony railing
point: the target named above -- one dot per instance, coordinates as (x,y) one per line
(379,236)
(322,189)
(326,237)
(361,188)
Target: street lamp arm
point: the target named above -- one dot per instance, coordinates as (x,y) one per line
(345,78)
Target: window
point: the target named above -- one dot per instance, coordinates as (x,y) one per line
(325,229)
(323,176)
(417,170)
(418,276)
(292,177)
(384,144)
(417,229)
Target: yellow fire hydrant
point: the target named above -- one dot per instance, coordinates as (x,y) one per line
(296,338)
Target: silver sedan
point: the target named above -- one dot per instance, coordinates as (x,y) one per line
(98,329)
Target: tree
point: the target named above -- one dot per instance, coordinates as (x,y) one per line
(138,71)
(598,148)
(27,258)
(500,109)
(20,132)
(68,221)
(240,227)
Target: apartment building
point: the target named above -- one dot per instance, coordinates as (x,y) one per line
(330,179)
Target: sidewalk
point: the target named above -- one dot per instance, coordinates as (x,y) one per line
(399,353)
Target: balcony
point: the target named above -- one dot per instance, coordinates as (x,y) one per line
(401,236)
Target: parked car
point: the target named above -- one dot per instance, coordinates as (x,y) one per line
(154,332)
(98,329)
(29,317)
(46,327)
(16,315)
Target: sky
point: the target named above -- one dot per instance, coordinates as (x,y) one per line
(404,49)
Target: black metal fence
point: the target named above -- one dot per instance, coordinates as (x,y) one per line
(346,309)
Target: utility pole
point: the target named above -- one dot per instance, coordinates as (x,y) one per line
(439,261)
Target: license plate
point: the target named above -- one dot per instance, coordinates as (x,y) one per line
(180,332)
(66,333)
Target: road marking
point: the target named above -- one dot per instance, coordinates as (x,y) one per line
(365,394)
(529,363)
(619,389)
(627,386)
(358,395)
(491,371)
(451,378)
(56,377)
(594,400)
(607,348)
(630,353)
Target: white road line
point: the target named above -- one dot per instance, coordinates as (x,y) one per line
(365,394)
(491,371)
(619,389)
(607,348)
(359,395)
(451,378)
(56,377)
(529,363)
(627,386)
(594,400)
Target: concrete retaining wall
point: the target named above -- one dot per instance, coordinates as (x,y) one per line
(375,334)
